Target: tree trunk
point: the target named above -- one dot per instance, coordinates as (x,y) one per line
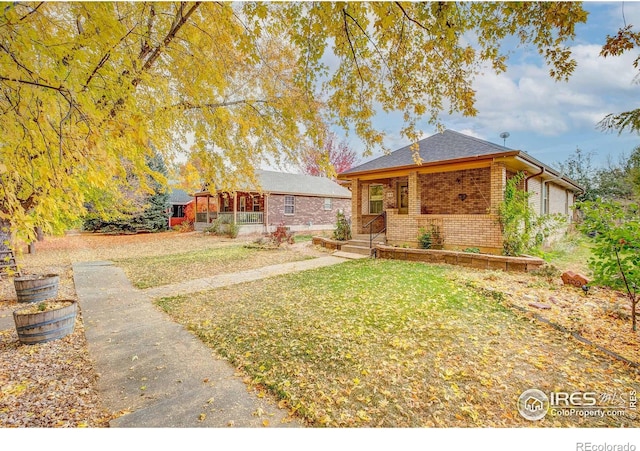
(5,235)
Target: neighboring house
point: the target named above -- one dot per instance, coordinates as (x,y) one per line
(457,188)
(300,202)
(179,200)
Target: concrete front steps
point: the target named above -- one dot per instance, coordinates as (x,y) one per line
(359,244)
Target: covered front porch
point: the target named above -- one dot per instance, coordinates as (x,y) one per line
(458,201)
(242,208)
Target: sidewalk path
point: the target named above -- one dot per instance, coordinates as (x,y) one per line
(152,369)
(223,280)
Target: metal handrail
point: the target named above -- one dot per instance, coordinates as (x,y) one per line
(369,224)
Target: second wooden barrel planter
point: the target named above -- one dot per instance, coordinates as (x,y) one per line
(45,321)
(36,288)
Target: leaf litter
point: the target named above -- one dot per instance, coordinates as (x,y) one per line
(379,343)
(54,384)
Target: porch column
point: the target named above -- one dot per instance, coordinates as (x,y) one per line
(265,211)
(414,193)
(208,218)
(235,198)
(356,206)
(498,183)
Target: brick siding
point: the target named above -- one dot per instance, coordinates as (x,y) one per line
(308,211)
(458,231)
(435,198)
(443,193)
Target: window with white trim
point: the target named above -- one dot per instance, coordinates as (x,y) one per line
(289,205)
(545,199)
(375,199)
(327,203)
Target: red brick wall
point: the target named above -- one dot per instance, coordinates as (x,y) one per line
(441,192)
(307,210)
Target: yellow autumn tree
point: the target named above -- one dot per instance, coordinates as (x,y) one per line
(88,88)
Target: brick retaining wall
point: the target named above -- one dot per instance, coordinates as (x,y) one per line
(480,261)
(468,259)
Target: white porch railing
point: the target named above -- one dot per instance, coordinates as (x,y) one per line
(242,217)
(250,217)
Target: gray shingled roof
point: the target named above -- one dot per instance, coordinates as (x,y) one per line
(445,146)
(179,196)
(284,183)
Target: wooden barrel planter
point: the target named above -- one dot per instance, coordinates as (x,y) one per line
(36,288)
(45,321)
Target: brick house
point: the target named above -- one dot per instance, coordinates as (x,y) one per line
(457,188)
(300,202)
(178,200)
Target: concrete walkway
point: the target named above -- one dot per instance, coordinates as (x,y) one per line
(223,280)
(153,370)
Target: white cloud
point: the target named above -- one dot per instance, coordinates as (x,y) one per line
(525,98)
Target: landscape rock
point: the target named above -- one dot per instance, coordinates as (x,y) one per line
(540,306)
(575,279)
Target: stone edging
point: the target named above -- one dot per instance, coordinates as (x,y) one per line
(479,261)
(327,243)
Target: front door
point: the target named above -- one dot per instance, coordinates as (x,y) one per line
(403,198)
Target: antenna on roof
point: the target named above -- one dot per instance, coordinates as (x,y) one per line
(504,136)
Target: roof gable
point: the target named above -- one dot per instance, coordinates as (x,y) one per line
(445,146)
(179,196)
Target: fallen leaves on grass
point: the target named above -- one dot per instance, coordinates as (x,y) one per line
(146,272)
(602,317)
(394,344)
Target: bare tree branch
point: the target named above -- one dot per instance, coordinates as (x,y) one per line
(60,89)
(179,21)
(213,106)
(32,11)
(353,52)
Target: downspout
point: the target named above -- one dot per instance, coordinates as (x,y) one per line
(526,180)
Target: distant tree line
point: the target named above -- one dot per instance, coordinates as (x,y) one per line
(610,216)
(615,181)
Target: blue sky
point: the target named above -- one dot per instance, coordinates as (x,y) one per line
(548,119)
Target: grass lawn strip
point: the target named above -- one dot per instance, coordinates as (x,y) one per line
(146,272)
(395,344)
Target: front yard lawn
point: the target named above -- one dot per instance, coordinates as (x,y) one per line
(395,344)
(153,271)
